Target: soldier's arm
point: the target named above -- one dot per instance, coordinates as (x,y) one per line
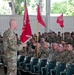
(14,46)
(12,43)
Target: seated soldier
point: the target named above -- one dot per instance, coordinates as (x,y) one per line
(33,48)
(44,48)
(59,56)
(53,51)
(70,56)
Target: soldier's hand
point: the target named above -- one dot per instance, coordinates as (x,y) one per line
(24,44)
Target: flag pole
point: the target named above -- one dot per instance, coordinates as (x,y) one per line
(63,33)
(39,20)
(25,22)
(37,37)
(26,29)
(25,52)
(37,40)
(63,29)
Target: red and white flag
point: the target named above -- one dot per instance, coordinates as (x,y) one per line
(26,29)
(60,20)
(39,17)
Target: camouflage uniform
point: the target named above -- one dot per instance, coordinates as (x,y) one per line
(61,56)
(44,53)
(70,57)
(31,50)
(10,51)
(65,56)
(55,55)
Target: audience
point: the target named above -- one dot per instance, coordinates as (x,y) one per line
(48,45)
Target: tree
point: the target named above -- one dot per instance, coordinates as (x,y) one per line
(19,5)
(4,9)
(58,7)
(70,8)
(66,7)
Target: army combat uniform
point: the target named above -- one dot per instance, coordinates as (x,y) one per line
(62,57)
(44,53)
(10,51)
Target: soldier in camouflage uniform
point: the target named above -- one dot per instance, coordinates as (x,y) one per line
(11,47)
(70,60)
(53,52)
(44,50)
(63,55)
(70,56)
(32,48)
(66,56)
(58,56)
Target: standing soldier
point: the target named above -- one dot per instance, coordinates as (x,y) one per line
(11,47)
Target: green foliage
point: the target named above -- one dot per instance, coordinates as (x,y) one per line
(70,10)
(4,10)
(63,7)
(66,7)
(58,7)
(19,7)
(33,5)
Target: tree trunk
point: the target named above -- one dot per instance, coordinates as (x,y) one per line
(13,7)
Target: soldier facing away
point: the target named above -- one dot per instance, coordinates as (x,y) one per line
(11,47)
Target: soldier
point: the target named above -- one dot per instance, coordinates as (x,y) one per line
(44,48)
(58,55)
(70,60)
(70,56)
(53,52)
(32,48)
(11,47)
